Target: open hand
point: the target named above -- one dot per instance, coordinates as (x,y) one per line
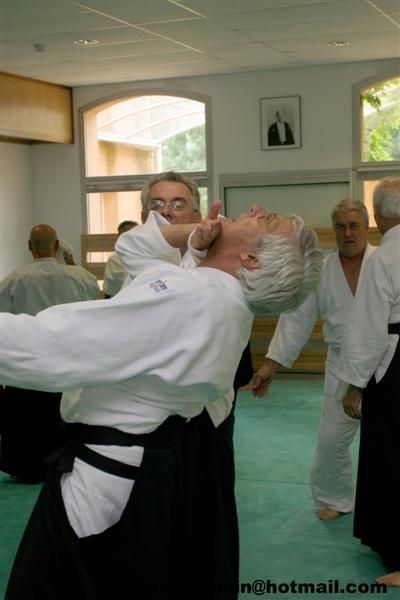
(209,229)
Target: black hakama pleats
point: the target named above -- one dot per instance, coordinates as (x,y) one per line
(376,517)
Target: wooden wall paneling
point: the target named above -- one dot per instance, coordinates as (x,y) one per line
(33,110)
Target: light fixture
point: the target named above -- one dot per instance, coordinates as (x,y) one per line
(86,42)
(39,47)
(338,44)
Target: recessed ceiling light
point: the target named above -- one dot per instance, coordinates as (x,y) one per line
(338,44)
(86,42)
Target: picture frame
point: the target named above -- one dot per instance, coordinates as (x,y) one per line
(280,123)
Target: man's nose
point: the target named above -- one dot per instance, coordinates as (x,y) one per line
(166,211)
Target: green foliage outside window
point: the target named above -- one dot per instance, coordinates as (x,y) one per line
(381,121)
(185,151)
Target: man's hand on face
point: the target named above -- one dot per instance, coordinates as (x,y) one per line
(209,229)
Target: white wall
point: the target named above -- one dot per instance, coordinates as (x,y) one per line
(15,205)
(57,191)
(326,107)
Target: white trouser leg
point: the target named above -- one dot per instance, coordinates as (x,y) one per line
(331,469)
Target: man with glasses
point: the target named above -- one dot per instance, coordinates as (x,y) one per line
(209,452)
(173,196)
(177,199)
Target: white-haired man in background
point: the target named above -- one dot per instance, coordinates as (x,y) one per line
(370,363)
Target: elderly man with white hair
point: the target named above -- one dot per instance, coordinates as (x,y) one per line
(370,363)
(110,518)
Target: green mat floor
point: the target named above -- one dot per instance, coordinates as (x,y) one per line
(283,544)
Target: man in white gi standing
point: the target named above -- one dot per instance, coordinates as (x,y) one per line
(331,471)
(370,363)
(30,419)
(108,520)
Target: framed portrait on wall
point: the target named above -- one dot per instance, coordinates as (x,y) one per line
(280,123)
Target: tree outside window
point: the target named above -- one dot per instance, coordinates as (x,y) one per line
(381,121)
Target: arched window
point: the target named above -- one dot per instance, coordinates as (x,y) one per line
(376,112)
(128,139)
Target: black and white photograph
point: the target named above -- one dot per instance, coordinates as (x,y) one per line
(280,122)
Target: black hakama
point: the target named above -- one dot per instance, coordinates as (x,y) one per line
(212,557)
(376,517)
(30,426)
(136,558)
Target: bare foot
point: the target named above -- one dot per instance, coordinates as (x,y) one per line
(328,514)
(392,579)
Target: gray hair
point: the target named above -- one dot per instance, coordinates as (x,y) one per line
(386,197)
(126,226)
(349,204)
(175,178)
(290,268)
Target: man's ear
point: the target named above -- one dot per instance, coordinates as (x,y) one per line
(249,261)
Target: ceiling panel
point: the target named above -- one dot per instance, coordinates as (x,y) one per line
(120,51)
(199,34)
(336,29)
(356,40)
(86,21)
(312,13)
(140,11)
(253,54)
(65,41)
(28,9)
(147,39)
(226,7)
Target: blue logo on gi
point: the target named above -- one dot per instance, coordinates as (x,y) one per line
(159,285)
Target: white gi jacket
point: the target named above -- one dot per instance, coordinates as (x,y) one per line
(367,342)
(331,302)
(43,283)
(150,242)
(153,350)
(114,275)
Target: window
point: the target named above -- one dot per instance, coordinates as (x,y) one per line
(127,140)
(376,128)
(381,121)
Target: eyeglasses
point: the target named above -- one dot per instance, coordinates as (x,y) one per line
(158,204)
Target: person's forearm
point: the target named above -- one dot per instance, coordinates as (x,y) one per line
(272,364)
(177,235)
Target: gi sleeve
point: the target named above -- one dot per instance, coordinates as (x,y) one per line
(91,286)
(81,344)
(144,246)
(292,332)
(6,295)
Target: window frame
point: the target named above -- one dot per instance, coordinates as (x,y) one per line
(367,170)
(119,183)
